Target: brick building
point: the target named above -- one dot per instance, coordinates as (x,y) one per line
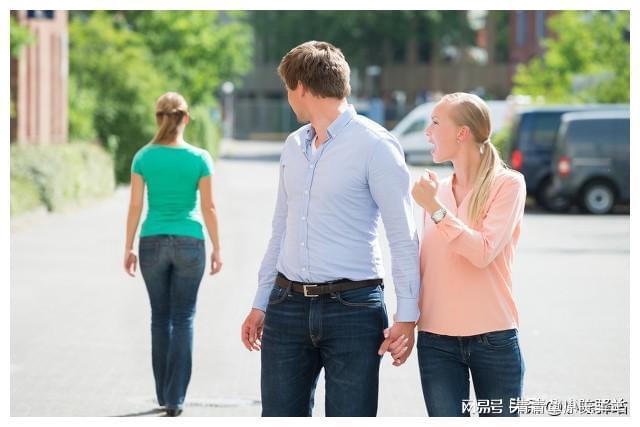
(527,28)
(39,79)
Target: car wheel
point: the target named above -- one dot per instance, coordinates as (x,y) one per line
(598,198)
(550,202)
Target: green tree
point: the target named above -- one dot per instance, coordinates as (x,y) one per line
(363,36)
(196,51)
(113,86)
(586,60)
(19,36)
(120,62)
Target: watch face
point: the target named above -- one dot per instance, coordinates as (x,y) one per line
(439,215)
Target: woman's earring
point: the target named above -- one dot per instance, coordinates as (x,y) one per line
(482,149)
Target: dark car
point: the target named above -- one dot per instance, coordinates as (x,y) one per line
(530,147)
(591,160)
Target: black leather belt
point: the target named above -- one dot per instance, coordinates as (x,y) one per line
(316,289)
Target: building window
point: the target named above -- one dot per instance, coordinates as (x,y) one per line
(540,24)
(40,14)
(521,27)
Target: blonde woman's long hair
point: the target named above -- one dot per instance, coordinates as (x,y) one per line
(170,111)
(471,111)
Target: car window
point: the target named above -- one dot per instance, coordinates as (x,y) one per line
(417,126)
(544,128)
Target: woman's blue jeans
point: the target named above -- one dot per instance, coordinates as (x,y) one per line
(493,359)
(172,268)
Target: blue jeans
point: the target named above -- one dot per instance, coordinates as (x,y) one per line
(172,268)
(341,333)
(493,359)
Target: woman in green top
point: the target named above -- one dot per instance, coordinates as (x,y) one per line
(171,247)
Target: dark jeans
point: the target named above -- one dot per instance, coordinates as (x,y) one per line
(172,268)
(341,333)
(495,363)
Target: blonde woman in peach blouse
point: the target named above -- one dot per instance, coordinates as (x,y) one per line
(468,326)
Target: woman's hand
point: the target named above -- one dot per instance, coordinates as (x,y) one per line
(425,190)
(216,262)
(130,262)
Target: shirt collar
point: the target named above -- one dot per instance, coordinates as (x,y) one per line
(343,119)
(334,128)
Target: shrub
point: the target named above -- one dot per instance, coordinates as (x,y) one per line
(55,176)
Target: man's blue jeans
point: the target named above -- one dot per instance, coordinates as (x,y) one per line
(172,268)
(493,359)
(341,333)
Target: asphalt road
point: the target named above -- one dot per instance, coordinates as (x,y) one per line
(80,327)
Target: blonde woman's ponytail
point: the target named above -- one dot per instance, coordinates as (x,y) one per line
(471,111)
(170,111)
(490,163)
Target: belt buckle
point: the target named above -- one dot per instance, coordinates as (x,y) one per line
(304,290)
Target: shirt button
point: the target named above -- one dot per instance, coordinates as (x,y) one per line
(310,166)
(304,268)
(306,191)
(304,218)
(301,243)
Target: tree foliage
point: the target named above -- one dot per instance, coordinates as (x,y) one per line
(19,36)
(587,59)
(361,35)
(121,62)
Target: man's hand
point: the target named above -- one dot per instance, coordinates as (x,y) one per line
(399,340)
(251,331)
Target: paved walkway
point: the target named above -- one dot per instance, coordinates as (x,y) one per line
(80,339)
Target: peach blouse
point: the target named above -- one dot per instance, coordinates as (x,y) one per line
(466,286)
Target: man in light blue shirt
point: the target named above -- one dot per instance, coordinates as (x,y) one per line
(320,301)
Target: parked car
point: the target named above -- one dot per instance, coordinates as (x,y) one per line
(530,147)
(410,131)
(591,160)
(410,134)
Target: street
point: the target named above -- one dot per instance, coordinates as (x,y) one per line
(80,327)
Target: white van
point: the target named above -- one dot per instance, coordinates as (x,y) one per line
(410,131)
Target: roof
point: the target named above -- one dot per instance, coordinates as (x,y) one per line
(596,115)
(560,108)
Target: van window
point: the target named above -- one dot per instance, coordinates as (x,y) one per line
(621,132)
(544,128)
(589,131)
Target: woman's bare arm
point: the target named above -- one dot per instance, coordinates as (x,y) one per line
(136,203)
(210,216)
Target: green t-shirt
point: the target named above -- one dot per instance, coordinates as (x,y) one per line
(172,175)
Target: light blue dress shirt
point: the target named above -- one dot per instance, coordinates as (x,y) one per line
(328,208)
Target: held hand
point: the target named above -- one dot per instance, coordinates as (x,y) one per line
(130,262)
(216,263)
(399,341)
(251,330)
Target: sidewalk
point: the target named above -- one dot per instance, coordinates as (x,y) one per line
(80,327)
(80,339)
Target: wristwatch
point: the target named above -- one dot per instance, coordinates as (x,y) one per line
(438,215)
